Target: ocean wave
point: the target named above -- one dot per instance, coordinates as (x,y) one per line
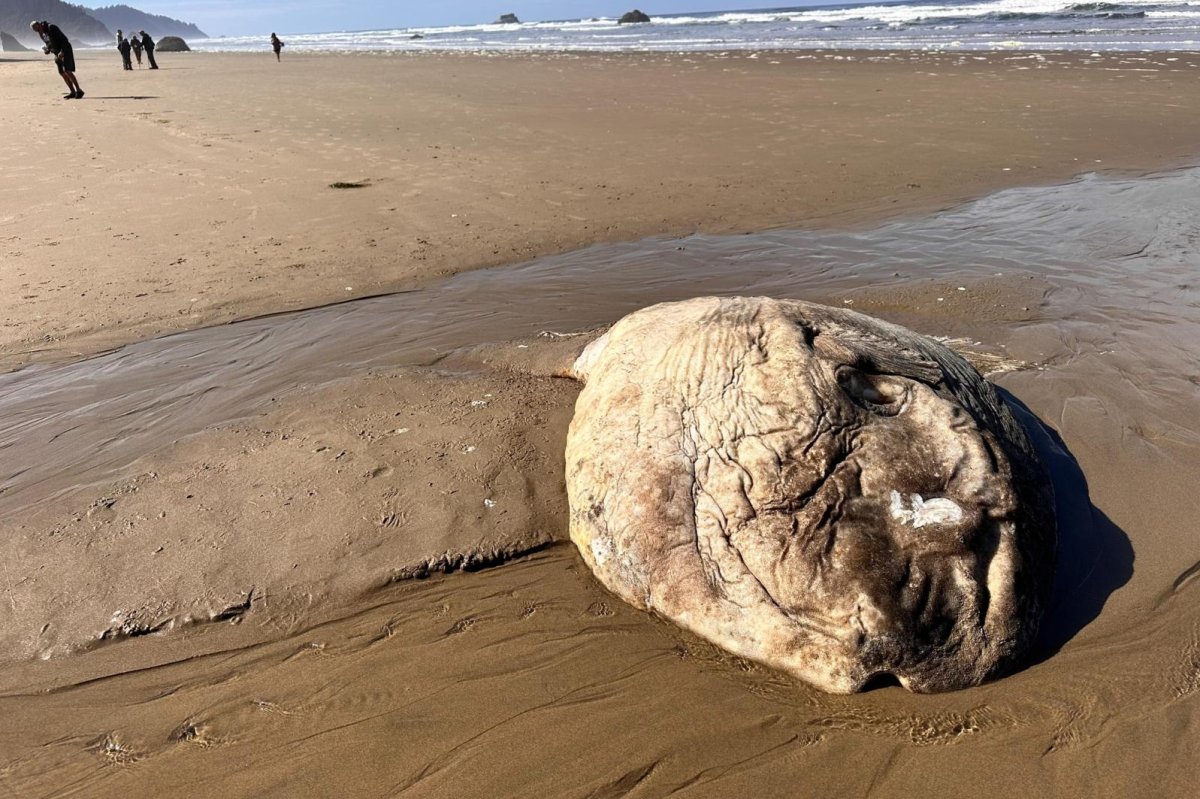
(917,25)
(1091,14)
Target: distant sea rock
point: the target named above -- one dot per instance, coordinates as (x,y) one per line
(172,44)
(9,44)
(633,16)
(508,19)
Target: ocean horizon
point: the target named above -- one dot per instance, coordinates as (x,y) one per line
(1131,25)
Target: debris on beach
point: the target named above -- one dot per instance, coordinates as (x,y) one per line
(807,487)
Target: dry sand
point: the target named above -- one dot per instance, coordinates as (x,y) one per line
(302,530)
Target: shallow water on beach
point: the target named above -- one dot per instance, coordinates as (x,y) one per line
(1117,255)
(1106,272)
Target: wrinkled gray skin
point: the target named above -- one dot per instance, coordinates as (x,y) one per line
(811,488)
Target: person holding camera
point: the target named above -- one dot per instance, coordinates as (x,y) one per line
(64,56)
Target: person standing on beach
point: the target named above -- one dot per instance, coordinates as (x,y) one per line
(276,45)
(64,55)
(136,45)
(123,49)
(148,46)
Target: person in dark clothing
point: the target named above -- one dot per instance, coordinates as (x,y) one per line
(148,46)
(276,45)
(64,55)
(135,44)
(123,48)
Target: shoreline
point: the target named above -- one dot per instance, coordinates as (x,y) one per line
(497,160)
(730,51)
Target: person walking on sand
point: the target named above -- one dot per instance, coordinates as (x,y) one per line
(136,45)
(276,45)
(148,46)
(123,49)
(64,55)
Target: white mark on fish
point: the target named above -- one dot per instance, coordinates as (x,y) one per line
(923,512)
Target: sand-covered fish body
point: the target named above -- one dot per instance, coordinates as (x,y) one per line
(831,495)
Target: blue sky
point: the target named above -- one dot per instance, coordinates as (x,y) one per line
(238,17)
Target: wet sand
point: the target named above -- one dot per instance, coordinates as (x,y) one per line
(200,193)
(258,608)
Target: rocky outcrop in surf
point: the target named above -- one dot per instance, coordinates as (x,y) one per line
(9,44)
(811,488)
(633,16)
(172,44)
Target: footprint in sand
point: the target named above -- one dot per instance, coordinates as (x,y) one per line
(462,625)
